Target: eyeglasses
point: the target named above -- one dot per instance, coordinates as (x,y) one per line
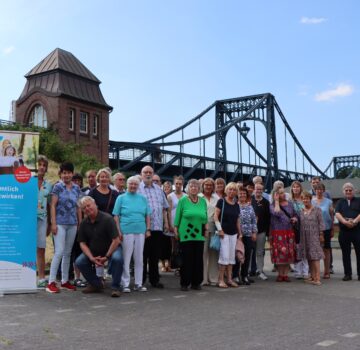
(348,190)
(121,179)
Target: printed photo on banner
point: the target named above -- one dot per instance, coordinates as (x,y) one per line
(18,149)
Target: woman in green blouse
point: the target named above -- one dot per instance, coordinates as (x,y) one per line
(191,229)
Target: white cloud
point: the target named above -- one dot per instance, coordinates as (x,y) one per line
(8,50)
(312,20)
(340,91)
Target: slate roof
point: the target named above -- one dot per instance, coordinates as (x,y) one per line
(62,74)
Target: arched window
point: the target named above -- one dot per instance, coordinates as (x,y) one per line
(38,117)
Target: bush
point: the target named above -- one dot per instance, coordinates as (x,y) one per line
(56,150)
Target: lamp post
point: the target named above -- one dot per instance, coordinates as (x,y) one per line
(244,130)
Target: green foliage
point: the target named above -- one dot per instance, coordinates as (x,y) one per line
(56,150)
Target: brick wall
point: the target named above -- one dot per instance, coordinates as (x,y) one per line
(57,111)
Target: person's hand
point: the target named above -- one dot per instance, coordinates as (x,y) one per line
(147,234)
(294,220)
(221,234)
(54,229)
(253,237)
(276,196)
(171,229)
(98,261)
(166,228)
(103,260)
(349,223)
(322,240)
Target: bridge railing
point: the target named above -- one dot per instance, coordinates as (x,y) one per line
(126,153)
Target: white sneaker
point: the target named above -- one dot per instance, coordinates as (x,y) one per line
(140,288)
(126,290)
(263,276)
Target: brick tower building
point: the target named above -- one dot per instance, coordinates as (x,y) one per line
(62,93)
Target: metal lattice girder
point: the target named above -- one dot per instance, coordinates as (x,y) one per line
(228,113)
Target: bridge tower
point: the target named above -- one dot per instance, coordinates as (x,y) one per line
(227,110)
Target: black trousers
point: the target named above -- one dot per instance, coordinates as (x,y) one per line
(191,271)
(151,256)
(249,246)
(345,240)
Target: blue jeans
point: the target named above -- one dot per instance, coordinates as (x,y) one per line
(87,268)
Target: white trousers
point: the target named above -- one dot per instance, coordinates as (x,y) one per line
(227,250)
(133,243)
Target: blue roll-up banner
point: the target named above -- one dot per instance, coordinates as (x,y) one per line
(18,211)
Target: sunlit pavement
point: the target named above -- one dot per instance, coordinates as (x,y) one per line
(266,315)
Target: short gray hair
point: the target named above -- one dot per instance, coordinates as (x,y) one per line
(348,184)
(134,178)
(193,182)
(85,199)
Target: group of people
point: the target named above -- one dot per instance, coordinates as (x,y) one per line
(118,225)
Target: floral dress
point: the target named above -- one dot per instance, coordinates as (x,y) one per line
(282,237)
(311,224)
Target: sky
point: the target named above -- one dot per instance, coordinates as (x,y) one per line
(163,62)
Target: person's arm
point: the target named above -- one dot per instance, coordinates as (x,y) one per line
(117,223)
(113,246)
(238,227)
(79,215)
(341,219)
(116,214)
(178,216)
(86,250)
(218,226)
(54,201)
(254,225)
(331,212)
(165,213)
(171,226)
(148,226)
(166,219)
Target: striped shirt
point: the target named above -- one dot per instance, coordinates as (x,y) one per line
(157,202)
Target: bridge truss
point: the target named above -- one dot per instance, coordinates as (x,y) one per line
(344,166)
(243,143)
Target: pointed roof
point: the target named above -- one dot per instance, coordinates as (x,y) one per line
(61,74)
(65,61)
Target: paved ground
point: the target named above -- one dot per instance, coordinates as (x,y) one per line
(266,315)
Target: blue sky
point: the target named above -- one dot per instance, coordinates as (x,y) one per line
(163,62)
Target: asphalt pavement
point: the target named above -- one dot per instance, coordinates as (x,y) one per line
(265,315)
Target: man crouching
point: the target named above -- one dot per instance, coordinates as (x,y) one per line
(100,242)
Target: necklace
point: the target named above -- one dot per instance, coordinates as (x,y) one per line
(307,210)
(194,201)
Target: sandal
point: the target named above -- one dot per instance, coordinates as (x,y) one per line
(222,285)
(316,283)
(232,284)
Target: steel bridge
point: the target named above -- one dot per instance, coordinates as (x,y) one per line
(344,166)
(244,142)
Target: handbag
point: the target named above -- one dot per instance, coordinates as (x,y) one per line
(295,226)
(215,239)
(240,250)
